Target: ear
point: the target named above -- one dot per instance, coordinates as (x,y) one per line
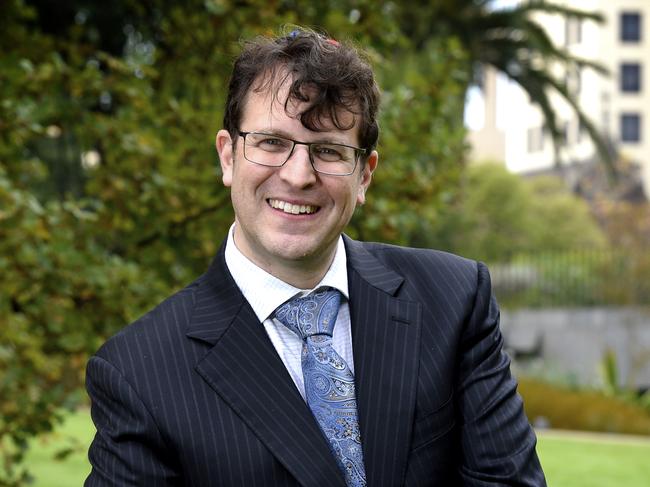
(223,143)
(366,176)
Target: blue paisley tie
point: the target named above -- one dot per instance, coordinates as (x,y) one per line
(329,382)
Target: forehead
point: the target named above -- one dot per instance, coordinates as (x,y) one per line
(269,102)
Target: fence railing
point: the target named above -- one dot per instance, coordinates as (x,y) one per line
(574,278)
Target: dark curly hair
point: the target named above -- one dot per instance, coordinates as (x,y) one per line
(334,74)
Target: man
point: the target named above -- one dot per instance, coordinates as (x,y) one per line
(240,379)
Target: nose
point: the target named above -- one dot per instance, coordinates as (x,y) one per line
(298,171)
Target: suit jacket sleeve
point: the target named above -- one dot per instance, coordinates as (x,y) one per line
(497,441)
(128,449)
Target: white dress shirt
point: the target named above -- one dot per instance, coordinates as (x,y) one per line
(265,293)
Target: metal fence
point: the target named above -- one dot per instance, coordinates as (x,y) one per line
(579,278)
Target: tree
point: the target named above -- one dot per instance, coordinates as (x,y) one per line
(513,42)
(110,193)
(627,226)
(499,215)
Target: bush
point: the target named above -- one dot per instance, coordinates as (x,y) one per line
(498,215)
(109,186)
(564,408)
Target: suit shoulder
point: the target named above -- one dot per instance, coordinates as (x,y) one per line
(431,268)
(411,259)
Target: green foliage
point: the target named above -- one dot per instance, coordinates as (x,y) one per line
(564,408)
(110,193)
(498,215)
(543,244)
(562,220)
(609,373)
(61,292)
(421,146)
(627,226)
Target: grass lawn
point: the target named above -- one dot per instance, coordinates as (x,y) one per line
(75,433)
(573,459)
(569,459)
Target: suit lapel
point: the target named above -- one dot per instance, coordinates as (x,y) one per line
(245,370)
(386,347)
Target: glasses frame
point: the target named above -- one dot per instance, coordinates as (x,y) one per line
(358,152)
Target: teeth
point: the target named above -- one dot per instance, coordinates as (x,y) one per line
(293,209)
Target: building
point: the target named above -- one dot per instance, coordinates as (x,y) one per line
(619,104)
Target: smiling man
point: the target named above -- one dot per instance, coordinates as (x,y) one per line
(294,187)
(302,357)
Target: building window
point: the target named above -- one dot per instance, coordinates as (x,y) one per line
(631,27)
(630,127)
(630,77)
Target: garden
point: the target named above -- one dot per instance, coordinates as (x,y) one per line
(110,196)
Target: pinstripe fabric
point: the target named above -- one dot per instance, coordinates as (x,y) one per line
(176,403)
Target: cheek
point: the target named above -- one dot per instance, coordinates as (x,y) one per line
(241,192)
(348,198)
(357,194)
(247,180)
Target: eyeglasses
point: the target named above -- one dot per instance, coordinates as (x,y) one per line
(273,150)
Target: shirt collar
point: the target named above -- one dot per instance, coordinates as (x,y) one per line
(251,279)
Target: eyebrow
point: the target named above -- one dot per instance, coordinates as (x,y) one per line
(287,135)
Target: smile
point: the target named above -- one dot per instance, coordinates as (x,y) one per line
(291,208)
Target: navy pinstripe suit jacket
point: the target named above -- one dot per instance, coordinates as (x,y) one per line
(194,393)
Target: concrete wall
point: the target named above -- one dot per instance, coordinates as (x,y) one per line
(569,344)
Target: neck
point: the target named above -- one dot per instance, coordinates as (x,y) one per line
(299,274)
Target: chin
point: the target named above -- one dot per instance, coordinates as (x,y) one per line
(296,249)
(296,254)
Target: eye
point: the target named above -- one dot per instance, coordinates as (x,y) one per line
(270,143)
(330,153)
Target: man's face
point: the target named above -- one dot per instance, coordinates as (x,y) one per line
(278,239)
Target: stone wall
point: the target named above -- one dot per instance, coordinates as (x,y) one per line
(570,344)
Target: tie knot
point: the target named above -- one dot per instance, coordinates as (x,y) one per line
(314,314)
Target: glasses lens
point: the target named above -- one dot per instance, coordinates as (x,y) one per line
(271,150)
(265,149)
(333,158)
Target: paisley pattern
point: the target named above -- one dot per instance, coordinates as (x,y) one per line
(329,382)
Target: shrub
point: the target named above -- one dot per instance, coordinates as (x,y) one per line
(564,408)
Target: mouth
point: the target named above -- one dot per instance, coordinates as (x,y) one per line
(292,209)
